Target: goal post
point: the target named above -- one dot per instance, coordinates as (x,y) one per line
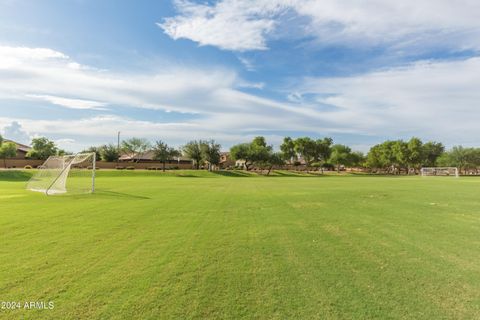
(61,174)
(440,171)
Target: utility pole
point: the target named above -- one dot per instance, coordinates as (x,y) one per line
(118,146)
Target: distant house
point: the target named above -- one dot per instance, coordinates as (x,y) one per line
(149,157)
(22,149)
(225,160)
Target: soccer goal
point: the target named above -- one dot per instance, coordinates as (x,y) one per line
(440,171)
(61,174)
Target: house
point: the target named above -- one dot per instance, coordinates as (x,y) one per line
(22,149)
(146,156)
(225,160)
(149,156)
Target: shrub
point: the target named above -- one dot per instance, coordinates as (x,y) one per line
(28,167)
(130,168)
(119,168)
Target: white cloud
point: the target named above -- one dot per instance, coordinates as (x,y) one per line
(438,100)
(295,97)
(230,25)
(247,25)
(66,144)
(205,92)
(53,79)
(213,95)
(103,129)
(70,103)
(248,64)
(15,132)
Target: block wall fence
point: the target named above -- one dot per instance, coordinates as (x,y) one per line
(21,163)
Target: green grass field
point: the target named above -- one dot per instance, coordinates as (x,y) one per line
(201,245)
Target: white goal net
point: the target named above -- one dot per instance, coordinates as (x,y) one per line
(440,171)
(61,174)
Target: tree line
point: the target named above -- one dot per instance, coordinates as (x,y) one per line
(391,156)
(404,156)
(410,156)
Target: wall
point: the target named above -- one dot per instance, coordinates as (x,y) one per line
(21,163)
(142,165)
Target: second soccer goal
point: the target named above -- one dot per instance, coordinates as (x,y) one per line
(440,171)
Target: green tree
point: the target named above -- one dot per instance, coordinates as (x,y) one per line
(374,158)
(313,151)
(306,148)
(357,159)
(389,155)
(256,152)
(61,152)
(109,153)
(194,150)
(445,160)
(401,155)
(260,151)
(415,154)
(163,152)
(474,159)
(7,150)
(135,147)
(431,151)
(1,140)
(271,160)
(288,149)
(92,150)
(42,148)
(242,151)
(211,153)
(323,149)
(259,141)
(459,157)
(341,155)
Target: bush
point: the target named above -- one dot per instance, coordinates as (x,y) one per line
(130,168)
(119,168)
(28,167)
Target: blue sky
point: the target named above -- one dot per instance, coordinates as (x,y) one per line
(78,71)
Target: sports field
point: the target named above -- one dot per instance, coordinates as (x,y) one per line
(199,245)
